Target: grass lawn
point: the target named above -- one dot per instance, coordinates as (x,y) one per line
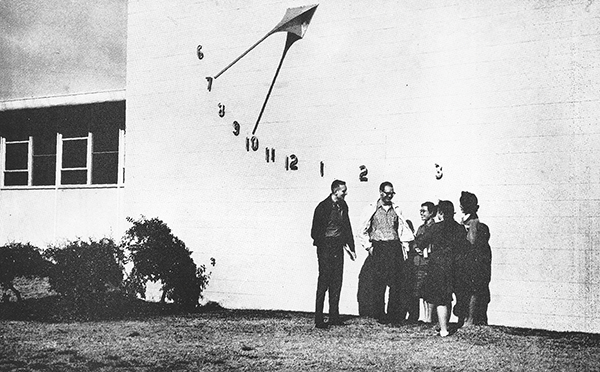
(227,340)
(232,340)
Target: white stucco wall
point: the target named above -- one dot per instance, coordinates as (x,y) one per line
(47,216)
(503,95)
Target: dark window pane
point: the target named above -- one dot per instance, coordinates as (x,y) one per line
(16,132)
(73,121)
(108,114)
(16,156)
(44,144)
(74,177)
(44,170)
(74,154)
(15,178)
(106,139)
(105,168)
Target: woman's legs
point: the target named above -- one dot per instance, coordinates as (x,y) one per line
(469,321)
(442,312)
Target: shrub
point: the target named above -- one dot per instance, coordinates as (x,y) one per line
(16,260)
(157,254)
(84,271)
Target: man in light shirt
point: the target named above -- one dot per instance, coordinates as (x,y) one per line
(386,236)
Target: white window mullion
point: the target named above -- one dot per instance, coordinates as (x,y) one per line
(89,158)
(3,159)
(59,156)
(121,166)
(30,161)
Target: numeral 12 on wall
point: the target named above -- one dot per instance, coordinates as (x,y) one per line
(291,162)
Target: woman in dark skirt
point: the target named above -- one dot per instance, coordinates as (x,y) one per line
(446,238)
(421,260)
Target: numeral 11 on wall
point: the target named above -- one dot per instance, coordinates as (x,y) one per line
(269,155)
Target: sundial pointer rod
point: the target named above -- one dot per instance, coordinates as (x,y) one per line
(291,19)
(242,55)
(291,38)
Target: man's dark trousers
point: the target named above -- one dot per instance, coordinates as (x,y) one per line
(331,270)
(388,261)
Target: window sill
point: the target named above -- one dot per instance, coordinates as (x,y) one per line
(61,187)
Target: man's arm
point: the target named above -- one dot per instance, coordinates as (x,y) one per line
(365,228)
(472,231)
(317,229)
(349,237)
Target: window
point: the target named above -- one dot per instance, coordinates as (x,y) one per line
(44,159)
(17,164)
(71,145)
(74,168)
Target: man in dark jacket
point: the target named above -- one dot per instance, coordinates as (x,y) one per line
(332,234)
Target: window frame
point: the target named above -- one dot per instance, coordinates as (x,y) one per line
(29,141)
(60,158)
(59,163)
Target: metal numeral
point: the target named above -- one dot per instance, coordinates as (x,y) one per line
(252,143)
(291,162)
(362,177)
(269,155)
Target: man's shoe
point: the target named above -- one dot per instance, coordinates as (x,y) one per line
(322,325)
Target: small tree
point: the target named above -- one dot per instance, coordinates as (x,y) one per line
(16,260)
(84,271)
(157,254)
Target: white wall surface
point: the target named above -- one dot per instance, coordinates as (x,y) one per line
(504,95)
(46,216)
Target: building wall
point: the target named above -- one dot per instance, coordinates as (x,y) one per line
(47,216)
(502,96)
(49,212)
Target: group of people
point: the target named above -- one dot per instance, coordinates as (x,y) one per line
(421,271)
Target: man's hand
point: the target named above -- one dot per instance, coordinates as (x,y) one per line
(350,252)
(405,248)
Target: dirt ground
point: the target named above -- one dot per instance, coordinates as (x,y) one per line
(236,340)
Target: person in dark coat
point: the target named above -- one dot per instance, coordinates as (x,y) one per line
(473,292)
(428,211)
(332,234)
(446,238)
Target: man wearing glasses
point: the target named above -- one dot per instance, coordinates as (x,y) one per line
(385,234)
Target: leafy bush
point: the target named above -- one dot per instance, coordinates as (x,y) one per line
(16,260)
(158,255)
(84,271)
